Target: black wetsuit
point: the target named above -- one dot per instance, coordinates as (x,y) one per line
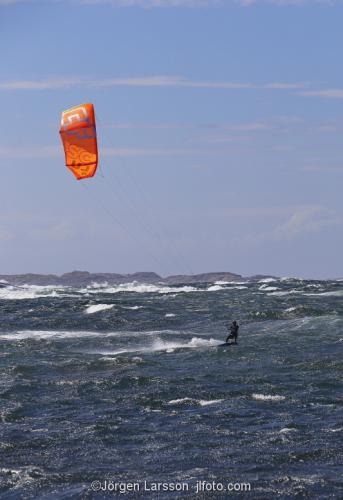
(233,332)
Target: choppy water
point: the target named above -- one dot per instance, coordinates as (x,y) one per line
(125,383)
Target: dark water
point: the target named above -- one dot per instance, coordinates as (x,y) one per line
(138,391)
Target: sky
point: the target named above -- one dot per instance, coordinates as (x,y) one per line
(220,132)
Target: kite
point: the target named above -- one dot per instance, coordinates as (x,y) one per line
(78,134)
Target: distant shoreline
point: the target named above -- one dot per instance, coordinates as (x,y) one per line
(77,278)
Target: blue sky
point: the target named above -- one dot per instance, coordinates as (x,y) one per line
(220,127)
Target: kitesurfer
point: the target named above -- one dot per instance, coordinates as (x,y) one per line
(234,327)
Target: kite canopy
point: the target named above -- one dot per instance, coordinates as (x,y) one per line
(78,134)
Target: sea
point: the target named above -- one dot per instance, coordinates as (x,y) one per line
(123,391)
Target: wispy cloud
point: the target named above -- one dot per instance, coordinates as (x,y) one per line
(287,2)
(149,4)
(56,151)
(46,227)
(286,223)
(168,81)
(159,3)
(12,2)
(7,152)
(286,86)
(246,127)
(204,3)
(131,152)
(323,168)
(324,93)
(231,127)
(47,84)
(142,81)
(308,219)
(149,126)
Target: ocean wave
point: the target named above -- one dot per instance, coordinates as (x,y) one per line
(268,397)
(205,402)
(163,345)
(291,309)
(230,282)
(132,308)
(29,292)
(139,288)
(336,293)
(178,401)
(98,307)
(215,288)
(266,288)
(47,334)
(201,402)
(65,334)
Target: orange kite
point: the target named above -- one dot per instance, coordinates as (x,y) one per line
(78,134)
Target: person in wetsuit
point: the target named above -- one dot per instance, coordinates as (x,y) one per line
(234,327)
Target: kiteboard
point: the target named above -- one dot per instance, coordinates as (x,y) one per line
(226,344)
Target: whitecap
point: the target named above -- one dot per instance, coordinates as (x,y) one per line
(267,288)
(178,401)
(63,334)
(164,345)
(268,397)
(337,293)
(215,288)
(139,288)
(51,334)
(229,282)
(132,308)
(204,402)
(98,307)
(291,309)
(201,402)
(30,292)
